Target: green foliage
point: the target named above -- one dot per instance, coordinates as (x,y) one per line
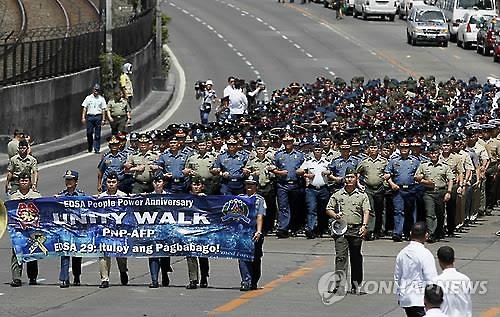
(165,20)
(110,77)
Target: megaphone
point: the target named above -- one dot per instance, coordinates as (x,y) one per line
(338,227)
(3,218)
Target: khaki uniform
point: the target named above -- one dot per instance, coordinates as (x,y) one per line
(142,180)
(18,164)
(454,207)
(440,173)
(32,266)
(118,110)
(201,165)
(105,261)
(480,149)
(353,206)
(12,147)
(493,148)
(372,171)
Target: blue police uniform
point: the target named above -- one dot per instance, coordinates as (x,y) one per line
(289,187)
(233,164)
(76,261)
(112,163)
(174,164)
(402,171)
(339,165)
(250,271)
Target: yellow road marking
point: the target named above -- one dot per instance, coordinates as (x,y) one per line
(246,297)
(381,55)
(492,312)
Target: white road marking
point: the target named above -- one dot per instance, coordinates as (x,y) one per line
(296,45)
(332,73)
(230,45)
(326,68)
(239,54)
(272,28)
(457,57)
(248,63)
(230,5)
(245,12)
(259,19)
(220,35)
(309,55)
(373,53)
(408,56)
(185,11)
(210,27)
(256,72)
(284,37)
(197,19)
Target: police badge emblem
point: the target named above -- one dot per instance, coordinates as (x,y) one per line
(28,215)
(235,209)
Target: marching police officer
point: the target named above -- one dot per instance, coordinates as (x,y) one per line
(71,183)
(159,263)
(400,174)
(289,187)
(250,271)
(24,192)
(230,166)
(111,162)
(437,178)
(118,112)
(371,171)
(339,165)
(21,162)
(352,205)
(172,163)
(200,163)
(140,164)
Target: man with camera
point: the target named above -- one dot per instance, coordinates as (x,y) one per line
(205,92)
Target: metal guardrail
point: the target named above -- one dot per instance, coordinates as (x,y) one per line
(49,52)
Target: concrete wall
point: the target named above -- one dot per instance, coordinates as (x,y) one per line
(51,108)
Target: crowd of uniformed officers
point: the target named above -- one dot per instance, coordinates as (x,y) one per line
(306,174)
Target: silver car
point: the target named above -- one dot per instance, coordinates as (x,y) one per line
(427,24)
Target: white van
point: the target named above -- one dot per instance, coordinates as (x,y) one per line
(380,8)
(455,10)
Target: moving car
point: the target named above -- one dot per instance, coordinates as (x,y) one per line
(426,24)
(380,8)
(454,11)
(468,29)
(486,35)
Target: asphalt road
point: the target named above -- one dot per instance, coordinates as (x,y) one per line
(279,43)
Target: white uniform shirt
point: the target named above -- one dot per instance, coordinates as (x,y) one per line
(237,102)
(316,167)
(94,105)
(415,268)
(435,312)
(227,91)
(457,288)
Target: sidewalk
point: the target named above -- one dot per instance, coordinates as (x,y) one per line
(149,109)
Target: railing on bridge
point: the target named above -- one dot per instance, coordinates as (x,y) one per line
(49,52)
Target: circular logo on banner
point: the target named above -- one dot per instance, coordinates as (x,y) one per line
(235,209)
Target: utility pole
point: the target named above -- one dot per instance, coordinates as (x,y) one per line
(159,46)
(109,44)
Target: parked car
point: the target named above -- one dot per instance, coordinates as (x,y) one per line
(468,28)
(486,36)
(496,50)
(454,11)
(426,24)
(380,8)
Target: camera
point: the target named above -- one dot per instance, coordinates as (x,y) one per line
(200,85)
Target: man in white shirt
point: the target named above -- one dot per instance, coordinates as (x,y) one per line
(93,108)
(238,102)
(229,87)
(414,269)
(456,286)
(315,170)
(433,298)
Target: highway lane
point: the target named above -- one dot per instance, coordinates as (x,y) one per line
(283,43)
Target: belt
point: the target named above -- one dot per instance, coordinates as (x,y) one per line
(374,187)
(141,182)
(94,115)
(316,187)
(436,189)
(178,180)
(290,182)
(405,186)
(118,117)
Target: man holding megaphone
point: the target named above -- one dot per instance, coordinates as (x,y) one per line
(350,209)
